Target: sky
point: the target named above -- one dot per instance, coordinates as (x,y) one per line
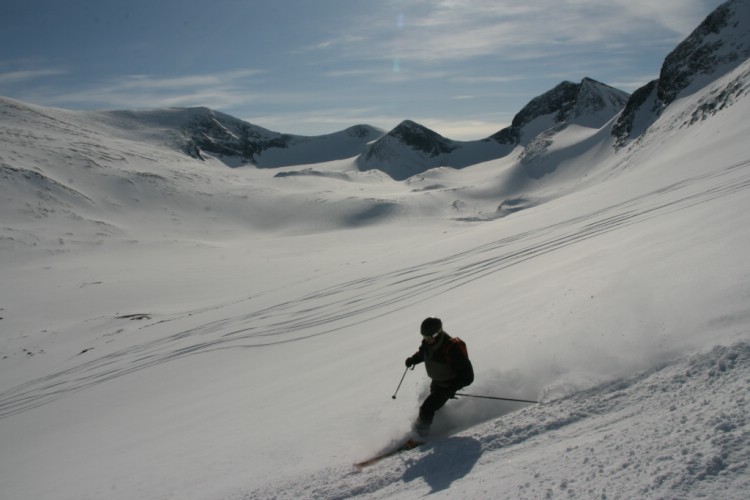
(463,68)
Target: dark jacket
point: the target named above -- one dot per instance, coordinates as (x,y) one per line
(446,362)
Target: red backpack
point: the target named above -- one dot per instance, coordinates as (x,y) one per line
(454,341)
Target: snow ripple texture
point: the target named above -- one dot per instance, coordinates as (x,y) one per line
(679,431)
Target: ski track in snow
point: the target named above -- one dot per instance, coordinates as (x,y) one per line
(644,390)
(691,440)
(355,302)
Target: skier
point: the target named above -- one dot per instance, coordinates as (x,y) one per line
(447,363)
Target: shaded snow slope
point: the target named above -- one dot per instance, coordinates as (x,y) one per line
(411,149)
(678,431)
(63,169)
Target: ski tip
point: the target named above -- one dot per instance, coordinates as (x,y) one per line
(409,444)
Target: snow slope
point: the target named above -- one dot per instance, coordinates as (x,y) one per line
(189,352)
(652,435)
(173,328)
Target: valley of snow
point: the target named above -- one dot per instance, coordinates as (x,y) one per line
(175,328)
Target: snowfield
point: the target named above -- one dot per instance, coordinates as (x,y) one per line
(677,431)
(171,327)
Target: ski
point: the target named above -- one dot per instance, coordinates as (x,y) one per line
(409,444)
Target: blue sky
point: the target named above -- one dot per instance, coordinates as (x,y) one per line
(461,67)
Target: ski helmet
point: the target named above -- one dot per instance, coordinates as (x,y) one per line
(431,327)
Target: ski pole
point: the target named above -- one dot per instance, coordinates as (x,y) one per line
(501,399)
(402,381)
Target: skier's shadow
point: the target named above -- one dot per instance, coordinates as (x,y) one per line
(450,459)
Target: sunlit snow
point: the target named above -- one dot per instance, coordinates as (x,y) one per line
(174,328)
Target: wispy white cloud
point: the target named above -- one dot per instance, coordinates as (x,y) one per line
(385,61)
(219,90)
(445,30)
(342,39)
(472,79)
(678,16)
(187,81)
(20,76)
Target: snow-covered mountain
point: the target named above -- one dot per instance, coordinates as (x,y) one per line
(715,48)
(201,131)
(556,125)
(173,328)
(588,104)
(412,149)
(718,46)
(407,150)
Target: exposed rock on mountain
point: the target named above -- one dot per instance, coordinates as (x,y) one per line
(536,135)
(588,103)
(557,101)
(410,148)
(717,46)
(549,131)
(219,134)
(422,139)
(202,131)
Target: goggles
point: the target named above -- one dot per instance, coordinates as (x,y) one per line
(434,335)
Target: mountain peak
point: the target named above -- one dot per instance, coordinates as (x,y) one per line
(408,149)
(420,138)
(589,103)
(202,132)
(716,47)
(411,148)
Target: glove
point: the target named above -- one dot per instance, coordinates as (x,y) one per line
(409,362)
